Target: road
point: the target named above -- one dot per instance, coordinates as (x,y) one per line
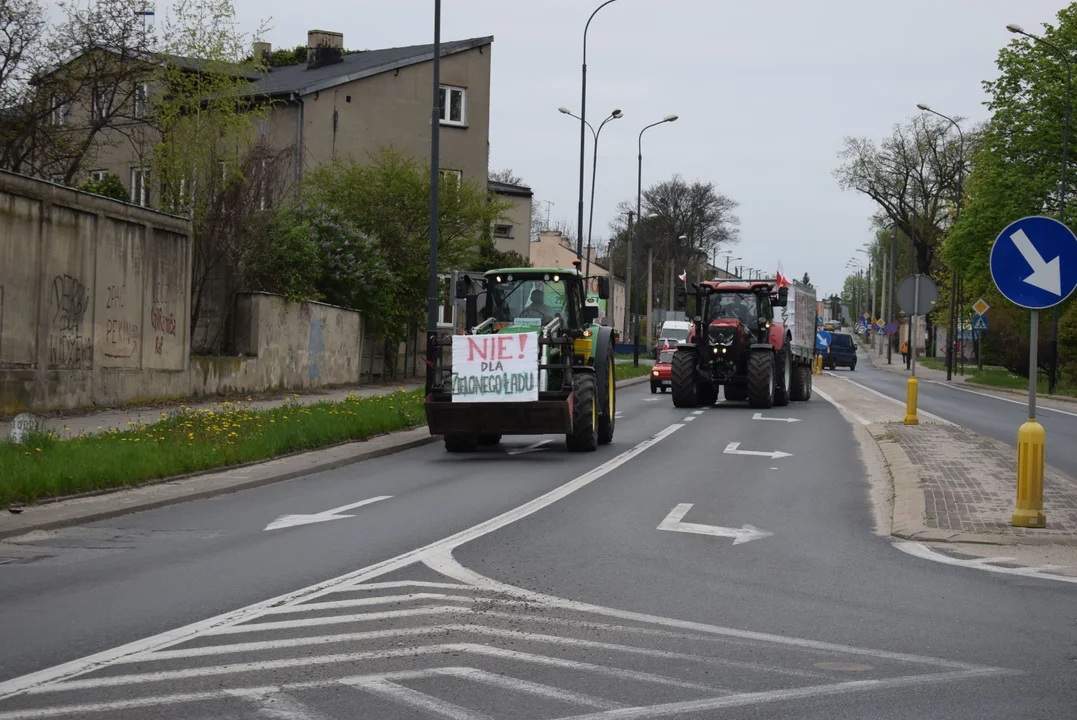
(988,415)
(524,582)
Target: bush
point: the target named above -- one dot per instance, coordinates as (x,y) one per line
(109,186)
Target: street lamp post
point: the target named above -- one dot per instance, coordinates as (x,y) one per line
(639,199)
(583,122)
(1017,29)
(615,115)
(432,279)
(957,214)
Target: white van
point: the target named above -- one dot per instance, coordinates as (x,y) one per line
(674,330)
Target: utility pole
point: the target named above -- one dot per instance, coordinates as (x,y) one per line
(432,280)
(650,297)
(890,297)
(628,278)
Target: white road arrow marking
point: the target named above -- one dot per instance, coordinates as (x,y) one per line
(530,448)
(739,535)
(1045,275)
(732,449)
(759,416)
(286,521)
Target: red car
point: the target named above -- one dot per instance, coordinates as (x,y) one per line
(660,375)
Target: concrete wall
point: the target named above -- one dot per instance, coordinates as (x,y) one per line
(93,299)
(283,346)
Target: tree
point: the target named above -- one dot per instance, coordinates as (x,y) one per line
(807,280)
(108,186)
(387,199)
(507,176)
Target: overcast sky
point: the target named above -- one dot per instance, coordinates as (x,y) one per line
(765,91)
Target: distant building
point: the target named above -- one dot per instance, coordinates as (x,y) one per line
(513,231)
(555,250)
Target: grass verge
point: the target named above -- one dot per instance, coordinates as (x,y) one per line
(192,440)
(1003,378)
(626,371)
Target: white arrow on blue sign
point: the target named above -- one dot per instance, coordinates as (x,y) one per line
(1034,262)
(822,340)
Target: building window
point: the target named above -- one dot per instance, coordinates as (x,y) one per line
(142,97)
(504,231)
(102,103)
(98,175)
(448,175)
(57,178)
(61,111)
(453,105)
(140,191)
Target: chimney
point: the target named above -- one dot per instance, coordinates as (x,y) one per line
(324,48)
(262,51)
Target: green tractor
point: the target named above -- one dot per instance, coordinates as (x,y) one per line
(536,362)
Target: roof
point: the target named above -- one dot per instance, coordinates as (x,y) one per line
(503,188)
(355,66)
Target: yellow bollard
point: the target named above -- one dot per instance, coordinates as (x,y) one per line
(910,402)
(1031,448)
(818,364)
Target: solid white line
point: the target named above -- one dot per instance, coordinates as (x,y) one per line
(402,583)
(415,699)
(323,620)
(925,553)
(839,406)
(179,635)
(1003,399)
(769,696)
(531,688)
(925,413)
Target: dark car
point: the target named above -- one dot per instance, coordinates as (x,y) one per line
(842,352)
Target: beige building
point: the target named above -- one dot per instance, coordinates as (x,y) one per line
(513,232)
(555,250)
(340,105)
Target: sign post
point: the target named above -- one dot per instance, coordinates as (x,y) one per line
(1049,249)
(916,295)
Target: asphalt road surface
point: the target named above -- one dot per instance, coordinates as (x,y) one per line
(666,575)
(988,415)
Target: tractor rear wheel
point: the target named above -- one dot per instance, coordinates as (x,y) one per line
(736,393)
(798,391)
(461,443)
(785,377)
(606,380)
(761,379)
(584,434)
(683,372)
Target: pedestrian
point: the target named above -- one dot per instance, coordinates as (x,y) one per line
(905,352)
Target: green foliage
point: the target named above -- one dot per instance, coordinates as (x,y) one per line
(388,199)
(109,186)
(490,258)
(193,440)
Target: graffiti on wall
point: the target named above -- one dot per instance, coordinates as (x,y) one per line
(163,318)
(69,300)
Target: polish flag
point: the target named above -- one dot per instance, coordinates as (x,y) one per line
(683,277)
(781,281)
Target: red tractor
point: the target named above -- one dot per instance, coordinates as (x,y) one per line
(736,342)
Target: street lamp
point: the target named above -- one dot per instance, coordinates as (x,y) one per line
(855,264)
(957,214)
(639,196)
(583,122)
(1018,30)
(615,115)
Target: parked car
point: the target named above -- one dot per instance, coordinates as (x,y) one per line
(842,352)
(661,377)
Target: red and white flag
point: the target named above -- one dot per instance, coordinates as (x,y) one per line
(683,276)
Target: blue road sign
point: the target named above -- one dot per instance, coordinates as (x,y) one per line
(891,328)
(819,321)
(980,323)
(1034,262)
(822,340)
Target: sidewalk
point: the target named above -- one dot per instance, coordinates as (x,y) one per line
(947,483)
(80,422)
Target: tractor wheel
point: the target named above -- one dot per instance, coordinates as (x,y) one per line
(606,379)
(584,434)
(761,379)
(798,391)
(685,390)
(785,377)
(489,439)
(461,443)
(736,393)
(811,381)
(708,394)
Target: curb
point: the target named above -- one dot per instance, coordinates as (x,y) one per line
(908,509)
(399,442)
